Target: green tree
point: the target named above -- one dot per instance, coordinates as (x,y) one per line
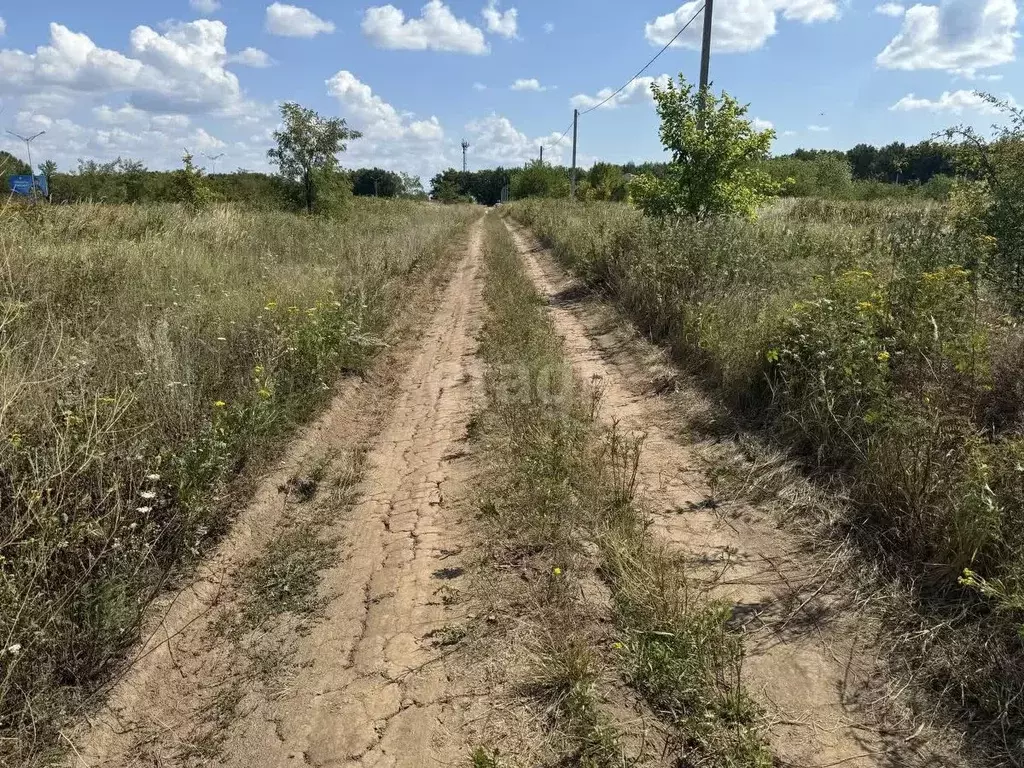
(833,176)
(189,185)
(11,166)
(133,178)
(48,169)
(445,189)
(376,182)
(412,187)
(995,191)
(717,157)
(539,180)
(307,150)
(607,182)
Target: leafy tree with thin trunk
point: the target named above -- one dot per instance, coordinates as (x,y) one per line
(190,186)
(307,150)
(717,157)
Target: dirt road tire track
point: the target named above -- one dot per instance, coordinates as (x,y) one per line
(372,684)
(809,660)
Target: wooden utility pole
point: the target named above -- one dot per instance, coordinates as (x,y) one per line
(542,154)
(705,51)
(705,62)
(575,133)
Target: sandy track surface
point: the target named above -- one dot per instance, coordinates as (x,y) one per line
(370,682)
(810,659)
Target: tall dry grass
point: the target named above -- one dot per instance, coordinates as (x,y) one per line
(146,356)
(859,336)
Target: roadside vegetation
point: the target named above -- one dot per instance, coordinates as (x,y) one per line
(605,615)
(149,356)
(881,343)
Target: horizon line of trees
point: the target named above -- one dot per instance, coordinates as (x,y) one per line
(807,171)
(129,181)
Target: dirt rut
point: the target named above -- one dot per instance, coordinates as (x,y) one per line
(809,659)
(370,683)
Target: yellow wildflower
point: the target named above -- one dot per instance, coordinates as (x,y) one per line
(883,356)
(219,403)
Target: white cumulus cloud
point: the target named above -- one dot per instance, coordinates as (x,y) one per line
(204,6)
(252,57)
(496,141)
(179,70)
(891,9)
(819,128)
(959,36)
(955,101)
(529,84)
(3,26)
(437,29)
(548,28)
(740,25)
(501,23)
(293,21)
(637,92)
(761,125)
(391,139)
(158,140)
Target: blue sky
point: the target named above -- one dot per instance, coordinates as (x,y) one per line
(146,80)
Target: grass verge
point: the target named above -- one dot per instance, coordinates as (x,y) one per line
(858,339)
(609,620)
(149,357)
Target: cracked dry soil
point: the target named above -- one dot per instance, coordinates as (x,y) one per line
(370,682)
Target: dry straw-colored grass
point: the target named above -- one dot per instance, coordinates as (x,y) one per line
(147,356)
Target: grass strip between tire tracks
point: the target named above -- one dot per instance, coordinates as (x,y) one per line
(610,618)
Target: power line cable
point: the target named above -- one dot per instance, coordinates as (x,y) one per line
(565,133)
(648,64)
(629,82)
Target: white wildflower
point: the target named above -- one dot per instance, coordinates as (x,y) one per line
(148,494)
(153,477)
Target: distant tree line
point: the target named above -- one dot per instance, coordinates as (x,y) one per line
(894,163)
(604,181)
(129,181)
(865,171)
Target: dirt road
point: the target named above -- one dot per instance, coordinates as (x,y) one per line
(809,661)
(367,681)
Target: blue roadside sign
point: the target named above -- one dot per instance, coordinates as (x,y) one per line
(22,185)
